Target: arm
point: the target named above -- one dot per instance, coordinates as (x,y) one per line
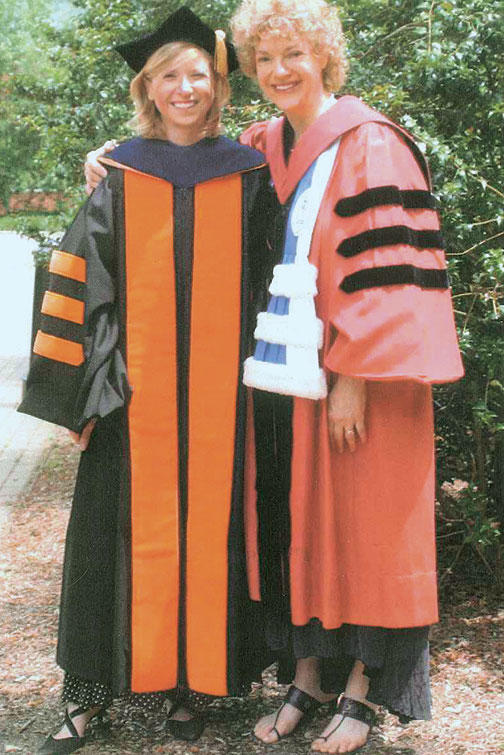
(384,328)
(77,372)
(390,300)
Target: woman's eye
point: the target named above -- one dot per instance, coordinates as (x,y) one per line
(295,54)
(262,59)
(169,76)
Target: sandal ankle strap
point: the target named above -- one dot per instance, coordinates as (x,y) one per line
(301,700)
(79,711)
(349,708)
(70,724)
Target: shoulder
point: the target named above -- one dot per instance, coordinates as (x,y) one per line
(366,122)
(244,153)
(128,148)
(353,108)
(375,133)
(380,140)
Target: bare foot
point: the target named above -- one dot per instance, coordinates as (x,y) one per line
(285,719)
(271,728)
(348,736)
(288,719)
(80,722)
(345,735)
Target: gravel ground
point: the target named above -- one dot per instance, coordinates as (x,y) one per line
(467,664)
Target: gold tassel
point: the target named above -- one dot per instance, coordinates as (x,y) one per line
(220,55)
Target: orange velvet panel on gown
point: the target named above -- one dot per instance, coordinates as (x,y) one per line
(214,370)
(213,384)
(153,422)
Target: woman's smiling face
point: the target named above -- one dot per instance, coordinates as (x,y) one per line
(183,93)
(290,74)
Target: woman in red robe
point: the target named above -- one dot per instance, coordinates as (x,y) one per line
(359,324)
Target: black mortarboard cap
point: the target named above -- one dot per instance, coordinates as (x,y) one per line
(181,26)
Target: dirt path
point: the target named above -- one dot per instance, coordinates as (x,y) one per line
(468,653)
(23,439)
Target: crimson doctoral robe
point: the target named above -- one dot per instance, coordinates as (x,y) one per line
(362,541)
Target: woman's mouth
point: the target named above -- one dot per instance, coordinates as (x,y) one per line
(285,87)
(184,105)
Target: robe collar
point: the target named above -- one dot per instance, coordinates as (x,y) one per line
(347,113)
(184,166)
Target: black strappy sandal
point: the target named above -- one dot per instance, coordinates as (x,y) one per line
(349,708)
(72,743)
(188,730)
(300,700)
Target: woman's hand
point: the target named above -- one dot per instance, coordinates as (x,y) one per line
(93,170)
(346,407)
(82,440)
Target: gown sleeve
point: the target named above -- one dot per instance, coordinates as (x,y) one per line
(390,303)
(77,370)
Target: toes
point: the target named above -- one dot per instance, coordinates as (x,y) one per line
(260,732)
(263,726)
(269,737)
(342,737)
(346,745)
(264,731)
(333,748)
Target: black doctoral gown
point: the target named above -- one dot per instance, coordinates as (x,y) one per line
(145,326)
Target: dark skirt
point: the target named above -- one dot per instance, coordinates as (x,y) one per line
(396,660)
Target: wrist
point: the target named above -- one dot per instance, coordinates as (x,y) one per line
(351,380)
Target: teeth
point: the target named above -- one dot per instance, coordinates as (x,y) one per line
(183,105)
(284,87)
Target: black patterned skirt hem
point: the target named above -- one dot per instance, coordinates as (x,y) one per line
(91,694)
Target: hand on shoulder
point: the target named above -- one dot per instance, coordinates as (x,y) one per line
(93,169)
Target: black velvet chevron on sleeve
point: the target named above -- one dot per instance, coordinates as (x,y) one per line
(388,236)
(410,199)
(394,275)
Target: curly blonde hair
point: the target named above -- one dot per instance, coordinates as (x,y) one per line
(147,121)
(315,20)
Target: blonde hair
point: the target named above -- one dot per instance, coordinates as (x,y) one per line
(315,20)
(147,121)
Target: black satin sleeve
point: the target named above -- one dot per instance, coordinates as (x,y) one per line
(78,371)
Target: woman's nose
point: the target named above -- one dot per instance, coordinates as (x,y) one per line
(185,84)
(279,66)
